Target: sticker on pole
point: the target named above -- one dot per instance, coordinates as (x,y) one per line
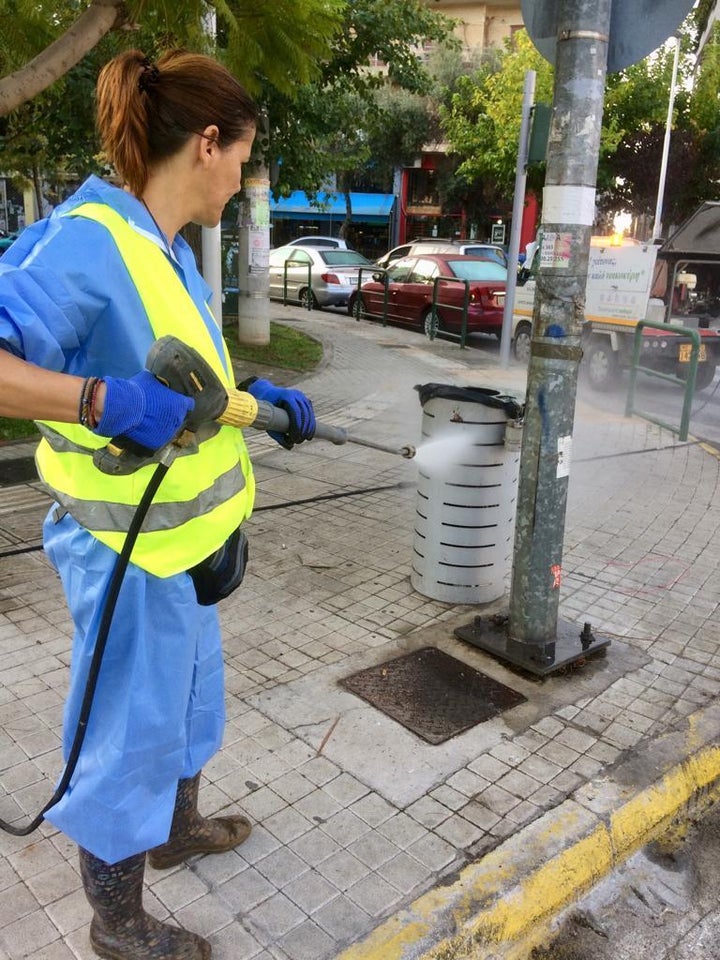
(564,448)
(555,250)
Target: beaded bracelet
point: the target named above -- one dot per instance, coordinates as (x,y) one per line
(85,395)
(91,413)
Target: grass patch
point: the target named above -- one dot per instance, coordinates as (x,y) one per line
(17,429)
(288,348)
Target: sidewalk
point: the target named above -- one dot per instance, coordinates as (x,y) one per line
(371,844)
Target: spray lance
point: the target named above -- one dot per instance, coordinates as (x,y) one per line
(181,368)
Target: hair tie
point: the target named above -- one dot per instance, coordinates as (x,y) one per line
(149,76)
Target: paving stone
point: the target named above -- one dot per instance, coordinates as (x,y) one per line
(310,891)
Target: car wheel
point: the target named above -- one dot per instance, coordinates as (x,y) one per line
(357,308)
(431,323)
(308,300)
(601,364)
(521,344)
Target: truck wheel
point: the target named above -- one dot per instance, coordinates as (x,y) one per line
(704,376)
(521,344)
(601,364)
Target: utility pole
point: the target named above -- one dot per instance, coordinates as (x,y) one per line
(531,637)
(517,215)
(657,225)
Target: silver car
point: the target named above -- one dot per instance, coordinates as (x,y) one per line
(316,277)
(465,248)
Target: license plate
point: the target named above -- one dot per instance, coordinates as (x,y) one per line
(685,349)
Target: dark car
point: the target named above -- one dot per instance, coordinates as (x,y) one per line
(465,248)
(411,283)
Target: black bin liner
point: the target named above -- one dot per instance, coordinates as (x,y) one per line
(483,395)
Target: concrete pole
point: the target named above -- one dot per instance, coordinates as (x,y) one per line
(254,248)
(517,216)
(568,213)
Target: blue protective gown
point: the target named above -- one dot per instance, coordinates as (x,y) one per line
(67,303)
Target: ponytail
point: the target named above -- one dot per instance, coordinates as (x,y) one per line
(146,112)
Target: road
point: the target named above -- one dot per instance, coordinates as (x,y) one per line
(664,904)
(663,400)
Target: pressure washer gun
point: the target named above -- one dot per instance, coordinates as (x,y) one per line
(181,368)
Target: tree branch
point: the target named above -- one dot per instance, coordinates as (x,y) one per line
(92,25)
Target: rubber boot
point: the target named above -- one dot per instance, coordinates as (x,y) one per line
(120,927)
(191,833)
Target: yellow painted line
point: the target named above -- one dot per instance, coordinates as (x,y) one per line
(493,903)
(706,446)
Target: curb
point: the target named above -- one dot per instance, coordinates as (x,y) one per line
(500,907)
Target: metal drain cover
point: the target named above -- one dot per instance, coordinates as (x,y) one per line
(432,694)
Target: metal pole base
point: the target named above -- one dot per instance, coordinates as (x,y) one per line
(570,644)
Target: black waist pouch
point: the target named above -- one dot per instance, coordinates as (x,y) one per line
(218,575)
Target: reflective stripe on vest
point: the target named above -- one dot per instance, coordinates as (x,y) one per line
(207,492)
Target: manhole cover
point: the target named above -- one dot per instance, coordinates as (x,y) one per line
(432,693)
(20,470)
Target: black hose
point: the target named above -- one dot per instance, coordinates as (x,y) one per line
(118,575)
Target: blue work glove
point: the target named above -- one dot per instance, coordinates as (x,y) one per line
(143,410)
(297,406)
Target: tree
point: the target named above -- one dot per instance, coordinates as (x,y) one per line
(278,40)
(324,127)
(482,121)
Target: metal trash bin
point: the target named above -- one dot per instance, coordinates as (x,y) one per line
(468,463)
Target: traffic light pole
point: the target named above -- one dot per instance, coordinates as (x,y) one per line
(531,636)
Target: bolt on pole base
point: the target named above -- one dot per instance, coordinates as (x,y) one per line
(570,645)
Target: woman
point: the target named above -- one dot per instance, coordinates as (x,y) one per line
(83,296)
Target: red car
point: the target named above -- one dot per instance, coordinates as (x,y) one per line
(412,280)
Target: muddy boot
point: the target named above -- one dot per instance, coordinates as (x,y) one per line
(120,928)
(190,833)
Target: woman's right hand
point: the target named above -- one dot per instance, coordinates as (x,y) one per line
(142,409)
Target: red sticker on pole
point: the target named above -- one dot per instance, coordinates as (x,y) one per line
(556,571)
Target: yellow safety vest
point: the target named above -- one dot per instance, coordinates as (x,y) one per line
(206,493)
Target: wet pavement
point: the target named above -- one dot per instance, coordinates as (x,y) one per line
(370,841)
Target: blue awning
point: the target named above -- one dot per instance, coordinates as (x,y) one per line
(366,207)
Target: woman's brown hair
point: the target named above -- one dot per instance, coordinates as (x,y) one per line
(146,112)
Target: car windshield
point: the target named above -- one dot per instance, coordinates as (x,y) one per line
(344,258)
(477,269)
(487,253)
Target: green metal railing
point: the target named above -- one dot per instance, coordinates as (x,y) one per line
(375,271)
(688,383)
(435,318)
(310,298)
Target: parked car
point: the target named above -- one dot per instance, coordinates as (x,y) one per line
(334,243)
(333,274)
(465,248)
(410,293)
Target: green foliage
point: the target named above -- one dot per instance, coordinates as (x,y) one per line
(482,122)
(326,126)
(11,429)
